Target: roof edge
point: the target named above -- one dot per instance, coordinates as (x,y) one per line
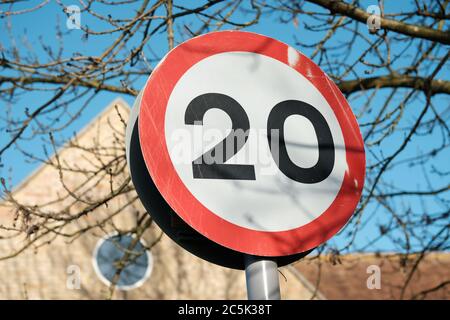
(116,101)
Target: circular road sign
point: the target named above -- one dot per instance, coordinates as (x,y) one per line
(251,144)
(173,226)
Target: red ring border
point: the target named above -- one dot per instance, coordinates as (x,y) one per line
(154,149)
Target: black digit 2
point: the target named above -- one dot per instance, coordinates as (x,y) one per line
(211,165)
(277,117)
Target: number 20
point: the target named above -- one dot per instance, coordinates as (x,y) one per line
(240,130)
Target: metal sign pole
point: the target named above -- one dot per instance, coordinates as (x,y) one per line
(262,279)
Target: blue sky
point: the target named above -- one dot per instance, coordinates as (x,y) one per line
(41,25)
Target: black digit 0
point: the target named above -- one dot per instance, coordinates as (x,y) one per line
(322,169)
(211,165)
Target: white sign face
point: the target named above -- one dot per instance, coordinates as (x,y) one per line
(251,144)
(272,201)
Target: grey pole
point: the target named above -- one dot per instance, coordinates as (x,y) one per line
(262,279)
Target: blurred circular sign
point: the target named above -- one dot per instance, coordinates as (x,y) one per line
(251,144)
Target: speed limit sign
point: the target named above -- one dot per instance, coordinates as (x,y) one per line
(251,144)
